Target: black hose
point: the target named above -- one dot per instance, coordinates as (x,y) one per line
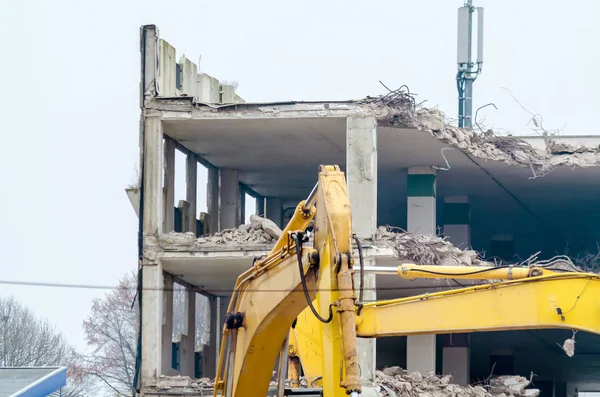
(298,241)
(362,268)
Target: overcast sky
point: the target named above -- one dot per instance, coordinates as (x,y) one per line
(69,103)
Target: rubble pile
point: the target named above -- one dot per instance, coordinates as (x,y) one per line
(258,231)
(399,109)
(425,249)
(397,381)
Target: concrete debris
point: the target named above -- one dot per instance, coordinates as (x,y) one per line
(258,231)
(398,108)
(425,249)
(403,384)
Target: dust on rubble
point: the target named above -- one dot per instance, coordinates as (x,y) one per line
(398,108)
(403,384)
(426,249)
(259,231)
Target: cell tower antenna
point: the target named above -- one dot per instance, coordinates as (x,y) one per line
(466,67)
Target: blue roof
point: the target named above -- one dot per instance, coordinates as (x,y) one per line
(31,381)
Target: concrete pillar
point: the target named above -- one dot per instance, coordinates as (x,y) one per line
(214,328)
(260,206)
(456,360)
(361,173)
(361,176)
(152,320)
(167,325)
(421,349)
(457,221)
(456,356)
(229,199)
(188,340)
(366,347)
(191,190)
(153,168)
(421,201)
(169,189)
(274,210)
(212,199)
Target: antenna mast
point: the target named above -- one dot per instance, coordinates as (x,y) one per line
(466,75)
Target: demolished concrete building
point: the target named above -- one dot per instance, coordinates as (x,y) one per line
(421,190)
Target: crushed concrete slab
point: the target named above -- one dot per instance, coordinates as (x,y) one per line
(403,384)
(398,108)
(259,231)
(426,249)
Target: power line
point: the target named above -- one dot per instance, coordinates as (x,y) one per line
(196,289)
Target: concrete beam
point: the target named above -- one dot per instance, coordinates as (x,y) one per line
(153,167)
(274,210)
(457,221)
(229,199)
(169,188)
(212,199)
(152,320)
(191,188)
(361,173)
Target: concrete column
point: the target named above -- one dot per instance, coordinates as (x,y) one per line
(274,210)
(152,320)
(191,190)
(456,356)
(212,199)
(167,325)
(153,168)
(456,360)
(361,176)
(421,200)
(420,353)
(169,189)
(361,173)
(188,341)
(366,347)
(457,221)
(421,349)
(260,206)
(229,199)
(213,348)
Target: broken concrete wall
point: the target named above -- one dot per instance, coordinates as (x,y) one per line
(184,77)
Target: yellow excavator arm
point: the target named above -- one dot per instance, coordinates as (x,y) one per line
(271,295)
(533,298)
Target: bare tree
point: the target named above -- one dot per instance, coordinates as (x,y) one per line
(111,332)
(28,341)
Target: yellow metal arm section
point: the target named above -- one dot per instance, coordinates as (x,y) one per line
(270,296)
(554,300)
(568,300)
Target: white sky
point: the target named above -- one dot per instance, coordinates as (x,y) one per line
(70,76)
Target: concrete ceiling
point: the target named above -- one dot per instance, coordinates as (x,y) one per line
(279,157)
